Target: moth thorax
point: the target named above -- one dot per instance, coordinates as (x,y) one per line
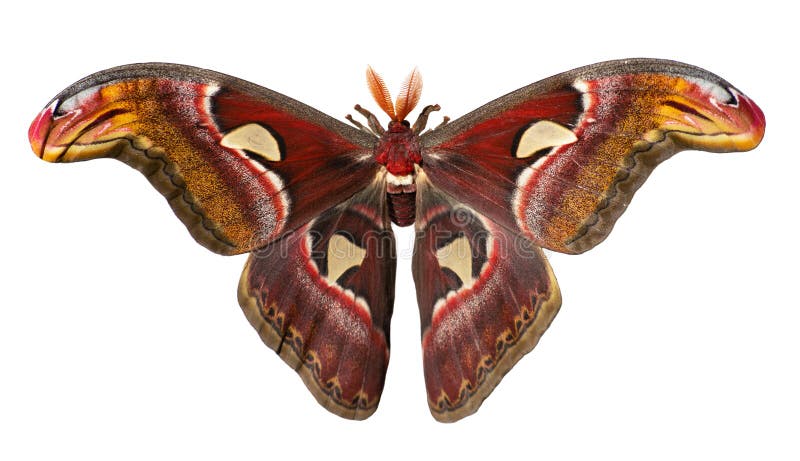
(398,149)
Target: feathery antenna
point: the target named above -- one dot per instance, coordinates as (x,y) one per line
(409,95)
(381,94)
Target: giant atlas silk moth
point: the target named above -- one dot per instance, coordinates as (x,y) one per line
(551,165)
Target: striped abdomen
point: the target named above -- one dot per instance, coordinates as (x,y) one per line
(402,207)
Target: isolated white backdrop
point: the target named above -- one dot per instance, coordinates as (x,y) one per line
(120,338)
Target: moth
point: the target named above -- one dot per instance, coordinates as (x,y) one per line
(551,165)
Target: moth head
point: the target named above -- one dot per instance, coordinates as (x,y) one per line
(399,127)
(407,99)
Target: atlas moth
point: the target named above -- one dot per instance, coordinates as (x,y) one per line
(551,165)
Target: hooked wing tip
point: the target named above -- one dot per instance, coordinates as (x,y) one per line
(40,128)
(758,121)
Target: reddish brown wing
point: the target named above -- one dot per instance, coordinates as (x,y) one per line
(239,164)
(485,295)
(559,160)
(322,298)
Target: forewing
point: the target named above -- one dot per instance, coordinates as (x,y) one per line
(322,297)
(239,164)
(559,160)
(485,294)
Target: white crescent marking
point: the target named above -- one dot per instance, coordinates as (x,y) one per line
(457,256)
(254,138)
(541,135)
(342,255)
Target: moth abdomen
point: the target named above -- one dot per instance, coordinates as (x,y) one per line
(402,208)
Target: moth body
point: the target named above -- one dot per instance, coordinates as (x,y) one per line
(399,152)
(398,149)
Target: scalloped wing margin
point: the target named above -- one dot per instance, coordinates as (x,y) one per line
(485,296)
(322,298)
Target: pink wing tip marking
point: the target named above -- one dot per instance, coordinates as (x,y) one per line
(39,129)
(758,121)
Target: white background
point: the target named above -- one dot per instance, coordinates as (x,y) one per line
(121,338)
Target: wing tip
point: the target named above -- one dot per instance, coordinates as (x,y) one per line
(40,129)
(757,123)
